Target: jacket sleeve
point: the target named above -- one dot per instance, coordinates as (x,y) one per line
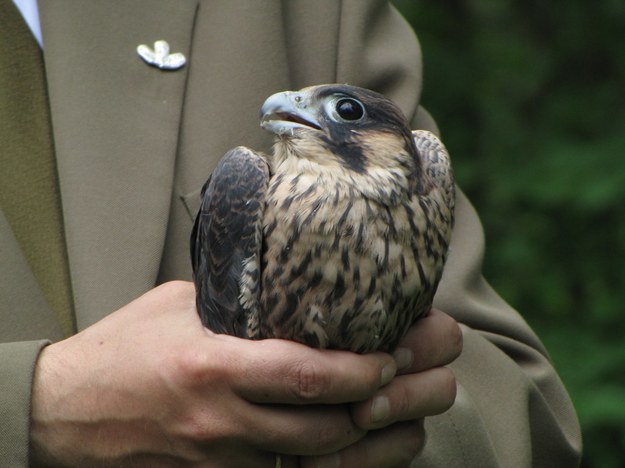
(27,324)
(511,408)
(17,365)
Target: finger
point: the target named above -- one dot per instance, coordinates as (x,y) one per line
(280,371)
(301,430)
(434,341)
(394,446)
(407,397)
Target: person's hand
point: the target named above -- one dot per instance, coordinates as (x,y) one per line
(149,386)
(394,415)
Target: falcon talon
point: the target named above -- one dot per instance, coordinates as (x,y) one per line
(338,238)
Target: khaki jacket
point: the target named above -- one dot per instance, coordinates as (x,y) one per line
(134,145)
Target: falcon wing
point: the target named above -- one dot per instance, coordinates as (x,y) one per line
(226,243)
(437,164)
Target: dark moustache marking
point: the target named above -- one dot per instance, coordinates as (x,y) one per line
(352,154)
(383,116)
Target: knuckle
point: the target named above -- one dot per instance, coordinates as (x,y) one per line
(196,429)
(192,363)
(195,368)
(404,402)
(199,428)
(308,381)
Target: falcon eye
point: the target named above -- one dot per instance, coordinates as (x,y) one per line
(349,109)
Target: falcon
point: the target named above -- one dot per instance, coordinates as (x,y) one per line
(338,238)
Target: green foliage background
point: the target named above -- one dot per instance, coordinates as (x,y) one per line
(530,99)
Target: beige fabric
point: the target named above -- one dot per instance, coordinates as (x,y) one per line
(29,190)
(134,144)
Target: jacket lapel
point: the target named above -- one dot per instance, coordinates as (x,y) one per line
(25,312)
(109,110)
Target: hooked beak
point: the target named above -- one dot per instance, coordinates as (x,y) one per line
(284,113)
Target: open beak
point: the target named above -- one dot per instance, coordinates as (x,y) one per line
(284,113)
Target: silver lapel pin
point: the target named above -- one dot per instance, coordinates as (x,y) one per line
(160,57)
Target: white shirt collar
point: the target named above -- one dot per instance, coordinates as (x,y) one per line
(30,12)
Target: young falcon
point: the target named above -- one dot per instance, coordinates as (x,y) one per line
(338,238)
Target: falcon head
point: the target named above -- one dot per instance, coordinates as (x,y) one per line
(346,133)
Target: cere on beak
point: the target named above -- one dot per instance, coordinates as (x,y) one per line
(283,113)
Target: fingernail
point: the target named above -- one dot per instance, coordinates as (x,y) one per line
(404,357)
(380,409)
(330,461)
(388,372)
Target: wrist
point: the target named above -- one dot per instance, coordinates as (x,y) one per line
(84,413)
(44,440)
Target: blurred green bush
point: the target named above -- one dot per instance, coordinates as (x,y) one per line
(530,99)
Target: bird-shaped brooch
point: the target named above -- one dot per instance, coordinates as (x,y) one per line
(338,238)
